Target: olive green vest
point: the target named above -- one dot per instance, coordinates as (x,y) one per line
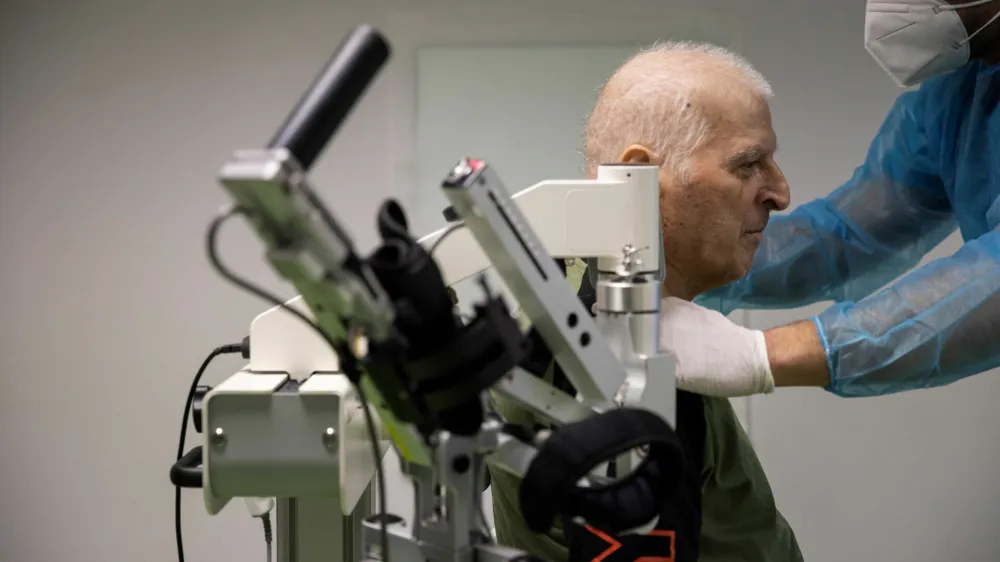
(739,519)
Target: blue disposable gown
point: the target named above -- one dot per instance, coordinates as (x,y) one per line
(933,167)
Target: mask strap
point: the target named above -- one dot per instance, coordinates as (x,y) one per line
(960,6)
(971,35)
(940,8)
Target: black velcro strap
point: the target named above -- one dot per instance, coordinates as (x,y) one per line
(549,487)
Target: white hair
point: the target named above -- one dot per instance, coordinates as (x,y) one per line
(649,101)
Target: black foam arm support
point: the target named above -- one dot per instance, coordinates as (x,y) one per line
(332,95)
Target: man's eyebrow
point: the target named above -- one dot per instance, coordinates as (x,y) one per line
(748,154)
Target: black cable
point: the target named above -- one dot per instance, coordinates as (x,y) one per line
(451,229)
(266,519)
(465,318)
(222,350)
(213,256)
(485,523)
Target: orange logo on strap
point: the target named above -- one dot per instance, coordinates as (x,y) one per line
(614,545)
(670,556)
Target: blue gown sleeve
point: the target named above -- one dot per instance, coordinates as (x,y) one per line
(937,325)
(879,224)
(933,326)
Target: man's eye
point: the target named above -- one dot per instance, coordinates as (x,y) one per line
(750,168)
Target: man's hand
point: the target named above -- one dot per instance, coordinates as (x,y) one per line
(717,357)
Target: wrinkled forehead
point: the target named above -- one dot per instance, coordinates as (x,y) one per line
(739,123)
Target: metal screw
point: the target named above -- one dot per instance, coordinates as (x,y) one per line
(630,263)
(330,437)
(541,437)
(218,437)
(619,398)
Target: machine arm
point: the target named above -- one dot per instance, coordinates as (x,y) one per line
(522,260)
(572,218)
(306,244)
(389,319)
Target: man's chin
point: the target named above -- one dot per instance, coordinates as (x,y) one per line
(723,279)
(740,271)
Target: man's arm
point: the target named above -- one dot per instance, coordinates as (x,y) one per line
(795,355)
(876,226)
(741,520)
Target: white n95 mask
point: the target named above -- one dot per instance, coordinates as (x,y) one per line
(918,39)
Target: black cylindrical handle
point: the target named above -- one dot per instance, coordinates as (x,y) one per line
(187,471)
(331,96)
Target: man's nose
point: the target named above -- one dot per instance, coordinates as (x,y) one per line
(776,195)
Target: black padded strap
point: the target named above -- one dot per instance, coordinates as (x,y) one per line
(550,486)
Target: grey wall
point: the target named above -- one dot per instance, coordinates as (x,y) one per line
(114,117)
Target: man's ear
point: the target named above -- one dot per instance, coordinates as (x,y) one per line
(638,154)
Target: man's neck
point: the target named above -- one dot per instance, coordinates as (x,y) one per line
(676,286)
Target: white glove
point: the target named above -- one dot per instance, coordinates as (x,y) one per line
(715,357)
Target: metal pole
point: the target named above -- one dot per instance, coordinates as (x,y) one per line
(316,530)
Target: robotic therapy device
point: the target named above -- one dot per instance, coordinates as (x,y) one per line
(373,354)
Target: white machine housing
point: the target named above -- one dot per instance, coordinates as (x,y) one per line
(572,218)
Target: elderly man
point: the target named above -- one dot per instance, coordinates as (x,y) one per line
(701,114)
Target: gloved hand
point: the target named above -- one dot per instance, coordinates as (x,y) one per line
(715,357)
